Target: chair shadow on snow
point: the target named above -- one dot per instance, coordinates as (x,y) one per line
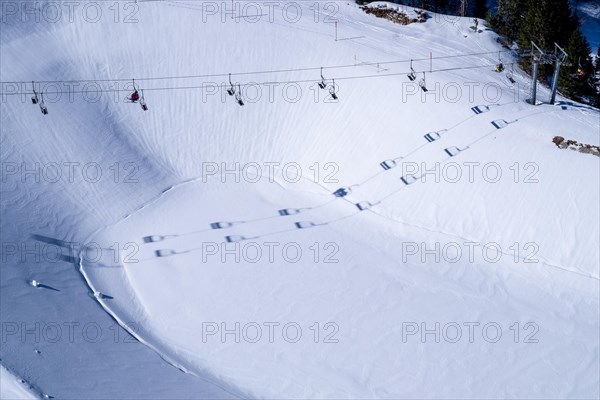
(565,104)
(68,251)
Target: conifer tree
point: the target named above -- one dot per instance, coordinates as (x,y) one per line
(480,9)
(577,80)
(511,17)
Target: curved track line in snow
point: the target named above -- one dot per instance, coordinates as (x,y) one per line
(29,387)
(177,364)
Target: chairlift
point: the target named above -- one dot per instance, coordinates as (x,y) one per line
(322,84)
(423,83)
(413,75)
(143,102)
(135,97)
(408,179)
(238,96)
(34,98)
(580,74)
(364,205)
(231,90)
(39,100)
(433,136)
(453,151)
(43,107)
(389,164)
(510,73)
(332,90)
(500,65)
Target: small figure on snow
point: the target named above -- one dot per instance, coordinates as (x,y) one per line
(500,67)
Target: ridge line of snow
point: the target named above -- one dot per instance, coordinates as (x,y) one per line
(169,360)
(31,388)
(541,260)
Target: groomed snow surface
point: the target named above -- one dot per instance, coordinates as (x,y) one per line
(186,280)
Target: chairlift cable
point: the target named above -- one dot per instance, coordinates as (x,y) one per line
(165,88)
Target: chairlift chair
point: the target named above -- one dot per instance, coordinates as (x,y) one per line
(137,97)
(238,96)
(143,102)
(500,65)
(413,75)
(332,90)
(43,107)
(423,83)
(580,74)
(231,90)
(509,74)
(134,97)
(322,84)
(34,98)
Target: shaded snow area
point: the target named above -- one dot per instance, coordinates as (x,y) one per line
(12,387)
(379,238)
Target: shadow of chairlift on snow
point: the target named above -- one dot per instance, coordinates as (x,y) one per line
(168,253)
(566,104)
(307,224)
(341,192)
(157,238)
(501,123)
(481,109)
(408,179)
(454,151)
(215,226)
(70,257)
(225,224)
(72,247)
(291,211)
(433,136)
(366,205)
(389,164)
(238,238)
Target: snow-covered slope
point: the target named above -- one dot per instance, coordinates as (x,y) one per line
(364,288)
(12,388)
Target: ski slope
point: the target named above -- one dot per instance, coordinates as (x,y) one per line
(371,281)
(12,388)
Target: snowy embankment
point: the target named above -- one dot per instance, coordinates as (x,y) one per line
(364,283)
(13,388)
